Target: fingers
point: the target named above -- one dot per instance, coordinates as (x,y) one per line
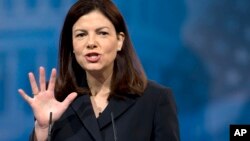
(33,83)
(68,100)
(42,79)
(52,80)
(25,96)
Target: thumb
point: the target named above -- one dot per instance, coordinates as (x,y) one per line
(69,98)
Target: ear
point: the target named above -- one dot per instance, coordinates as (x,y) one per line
(120,38)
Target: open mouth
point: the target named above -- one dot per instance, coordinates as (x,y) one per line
(92,57)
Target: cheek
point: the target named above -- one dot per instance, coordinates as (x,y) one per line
(77,47)
(110,57)
(80,60)
(78,52)
(111,51)
(110,46)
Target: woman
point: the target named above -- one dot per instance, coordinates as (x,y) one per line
(101,92)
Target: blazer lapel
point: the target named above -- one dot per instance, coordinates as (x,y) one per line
(83,109)
(117,107)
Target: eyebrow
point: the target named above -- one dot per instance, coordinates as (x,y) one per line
(98,29)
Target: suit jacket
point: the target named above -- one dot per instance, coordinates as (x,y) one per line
(150,117)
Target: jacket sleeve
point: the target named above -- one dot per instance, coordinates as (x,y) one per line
(166,126)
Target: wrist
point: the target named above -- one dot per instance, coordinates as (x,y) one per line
(40,127)
(41,132)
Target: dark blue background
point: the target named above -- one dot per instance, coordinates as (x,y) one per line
(198,48)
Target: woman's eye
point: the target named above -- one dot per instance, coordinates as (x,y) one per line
(80,35)
(103,33)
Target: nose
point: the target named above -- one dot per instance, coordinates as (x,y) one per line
(91,43)
(91,46)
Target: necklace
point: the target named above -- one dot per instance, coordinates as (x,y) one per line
(97,109)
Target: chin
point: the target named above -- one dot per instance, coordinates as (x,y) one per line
(96,67)
(93,68)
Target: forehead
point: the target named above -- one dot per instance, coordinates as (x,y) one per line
(94,19)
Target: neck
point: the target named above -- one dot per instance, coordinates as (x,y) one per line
(99,83)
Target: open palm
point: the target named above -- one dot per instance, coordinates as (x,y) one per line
(44,101)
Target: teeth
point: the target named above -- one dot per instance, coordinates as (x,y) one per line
(93,57)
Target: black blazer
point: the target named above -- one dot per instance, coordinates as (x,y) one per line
(150,117)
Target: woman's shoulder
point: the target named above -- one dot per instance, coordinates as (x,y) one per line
(156,91)
(158,94)
(157,88)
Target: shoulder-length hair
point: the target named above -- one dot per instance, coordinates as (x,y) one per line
(128,75)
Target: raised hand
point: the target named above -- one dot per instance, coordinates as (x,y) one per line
(43,101)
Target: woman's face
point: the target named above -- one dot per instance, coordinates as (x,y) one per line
(95,42)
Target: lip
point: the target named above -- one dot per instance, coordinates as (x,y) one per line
(92,57)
